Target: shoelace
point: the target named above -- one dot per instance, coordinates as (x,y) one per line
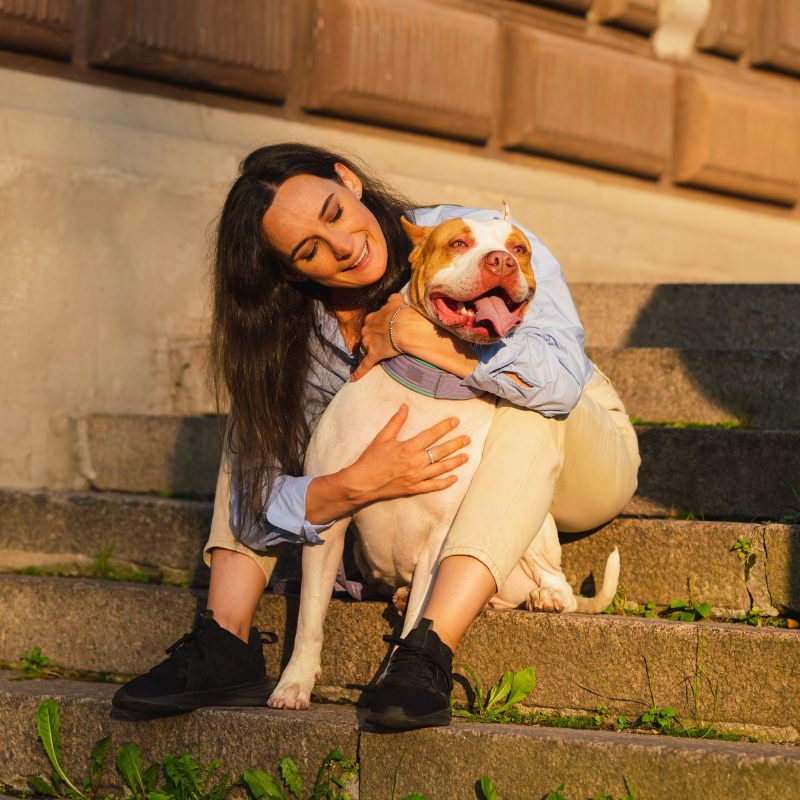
(405,661)
(189,641)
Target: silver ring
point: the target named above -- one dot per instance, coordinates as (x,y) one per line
(430,455)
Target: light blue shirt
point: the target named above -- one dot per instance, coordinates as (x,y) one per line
(545,351)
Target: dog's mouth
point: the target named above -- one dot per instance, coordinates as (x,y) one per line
(489,316)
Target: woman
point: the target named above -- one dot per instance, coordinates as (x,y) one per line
(310,253)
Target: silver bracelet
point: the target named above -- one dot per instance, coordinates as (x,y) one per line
(391,331)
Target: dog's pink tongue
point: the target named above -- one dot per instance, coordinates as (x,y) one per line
(494,310)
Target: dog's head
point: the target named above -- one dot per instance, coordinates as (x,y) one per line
(472,278)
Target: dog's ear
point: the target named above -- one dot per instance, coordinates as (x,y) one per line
(506,212)
(417,233)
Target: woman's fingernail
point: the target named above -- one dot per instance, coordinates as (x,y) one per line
(466,440)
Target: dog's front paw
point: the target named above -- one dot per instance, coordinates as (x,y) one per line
(544,599)
(400,599)
(293,691)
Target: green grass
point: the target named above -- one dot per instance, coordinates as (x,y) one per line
(103,568)
(727,424)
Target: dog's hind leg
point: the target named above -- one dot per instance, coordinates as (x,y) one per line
(320,564)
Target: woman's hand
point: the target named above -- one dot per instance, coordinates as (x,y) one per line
(389,467)
(375,342)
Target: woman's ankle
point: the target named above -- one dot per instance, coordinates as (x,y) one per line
(235,624)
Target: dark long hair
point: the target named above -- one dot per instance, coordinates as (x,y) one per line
(262,324)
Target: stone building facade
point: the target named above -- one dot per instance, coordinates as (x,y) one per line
(644,141)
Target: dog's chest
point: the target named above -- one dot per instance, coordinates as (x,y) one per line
(361,409)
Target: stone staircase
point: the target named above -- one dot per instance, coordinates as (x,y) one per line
(724,358)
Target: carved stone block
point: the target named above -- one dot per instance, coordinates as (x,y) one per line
(415,65)
(738,139)
(240,46)
(587,103)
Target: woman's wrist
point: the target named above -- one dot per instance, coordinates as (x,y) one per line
(332,496)
(418,336)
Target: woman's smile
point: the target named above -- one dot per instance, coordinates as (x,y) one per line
(325,233)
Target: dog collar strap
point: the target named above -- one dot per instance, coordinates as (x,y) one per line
(426,379)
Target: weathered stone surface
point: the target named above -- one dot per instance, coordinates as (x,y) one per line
(717,473)
(200,42)
(531,762)
(738,139)
(660,557)
(42,28)
(581,661)
(775,41)
(579,101)
(753,388)
(374,59)
(139,453)
(783,564)
(713,473)
(690,316)
(44,529)
(665,559)
(726,27)
(638,15)
(524,762)
(241,738)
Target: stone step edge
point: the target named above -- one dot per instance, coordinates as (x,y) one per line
(580,661)
(772,767)
(139,526)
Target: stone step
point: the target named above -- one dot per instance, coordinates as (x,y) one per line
(439,763)
(711,473)
(752,388)
(745,677)
(714,316)
(662,559)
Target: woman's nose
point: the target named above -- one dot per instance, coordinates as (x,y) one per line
(341,245)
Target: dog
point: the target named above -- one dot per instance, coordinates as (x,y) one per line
(475,280)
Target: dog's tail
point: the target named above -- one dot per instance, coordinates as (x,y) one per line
(602,600)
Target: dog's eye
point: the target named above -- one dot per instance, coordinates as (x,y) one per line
(458,243)
(520,249)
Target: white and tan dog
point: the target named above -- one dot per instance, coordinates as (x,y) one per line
(473,279)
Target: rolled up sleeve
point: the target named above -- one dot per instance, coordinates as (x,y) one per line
(551,366)
(284,517)
(546,351)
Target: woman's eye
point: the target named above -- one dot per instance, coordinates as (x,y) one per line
(338,215)
(308,256)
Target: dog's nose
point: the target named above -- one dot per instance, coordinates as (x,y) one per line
(499,262)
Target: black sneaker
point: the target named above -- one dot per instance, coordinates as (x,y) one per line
(207,667)
(414,691)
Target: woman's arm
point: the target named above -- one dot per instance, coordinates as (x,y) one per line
(388,468)
(417,335)
(541,365)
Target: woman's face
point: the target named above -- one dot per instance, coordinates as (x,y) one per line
(325,232)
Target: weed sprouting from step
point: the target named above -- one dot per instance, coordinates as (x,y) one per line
(686,611)
(178,777)
(558,794)
(743,548)
(511,689)
(35,664)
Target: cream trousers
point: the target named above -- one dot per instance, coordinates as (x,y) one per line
(578,472)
